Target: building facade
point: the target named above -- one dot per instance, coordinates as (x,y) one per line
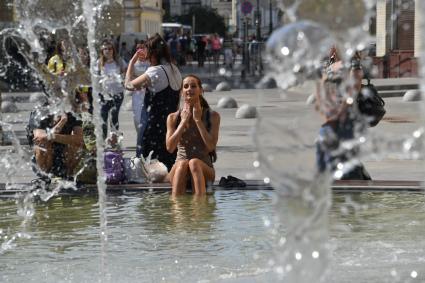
(7,15)
(397,38)
(224,9)
(143,16)
(230,10)
(267,16)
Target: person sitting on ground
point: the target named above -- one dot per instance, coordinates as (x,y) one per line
(57,143)
(193,130)
(86,171)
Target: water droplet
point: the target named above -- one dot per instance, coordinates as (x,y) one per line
(298,256)
(315,254)
(285,51)
(279,270)
(288,267)
(413,274)
(292,45)
(266,180)
(338,174)
(417,133)
(256,163)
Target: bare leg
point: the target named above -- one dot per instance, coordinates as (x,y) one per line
(72,159)
(178,177)
(201,173)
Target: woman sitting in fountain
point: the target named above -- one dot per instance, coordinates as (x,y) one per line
(193,130)
(57,142)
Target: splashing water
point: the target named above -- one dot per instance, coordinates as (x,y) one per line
(302,255)
(295,53)
(78,23)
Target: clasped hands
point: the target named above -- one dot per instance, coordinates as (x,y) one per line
(189,112)
(42,137)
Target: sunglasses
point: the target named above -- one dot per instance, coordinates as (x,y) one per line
(107,48)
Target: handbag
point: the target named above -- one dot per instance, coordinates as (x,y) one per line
(157,171)
(135,171)
(371,104)
(114,167)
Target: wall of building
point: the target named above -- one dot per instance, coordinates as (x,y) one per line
(381,28)
(6,13)
(397,38)
(150,20)
(131,16)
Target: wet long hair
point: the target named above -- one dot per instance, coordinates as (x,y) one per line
(204,103)
(158,48)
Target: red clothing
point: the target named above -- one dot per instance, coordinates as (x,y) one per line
(215,43)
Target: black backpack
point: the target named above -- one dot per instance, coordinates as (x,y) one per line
(371,104)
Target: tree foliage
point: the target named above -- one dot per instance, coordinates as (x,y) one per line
(207,20)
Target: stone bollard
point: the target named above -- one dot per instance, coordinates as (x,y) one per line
(227,102)
(8,107)
(223,86)
(412,95)
(246,112)
(266,83)
(207,87)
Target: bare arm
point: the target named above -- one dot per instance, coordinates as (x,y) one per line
(74,139)
(210,138)
(139,82)
(174,133)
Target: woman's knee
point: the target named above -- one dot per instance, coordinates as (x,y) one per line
(182,165)
(195,165)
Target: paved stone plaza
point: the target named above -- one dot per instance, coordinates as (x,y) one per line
(236,150)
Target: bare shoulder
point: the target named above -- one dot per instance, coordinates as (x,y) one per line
(173,116)
(215,116)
